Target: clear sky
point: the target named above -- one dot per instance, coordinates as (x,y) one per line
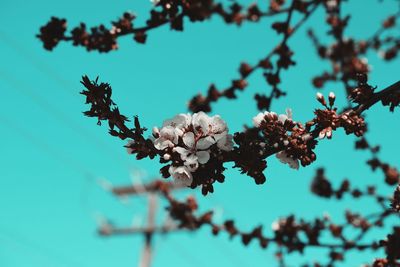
(52,157)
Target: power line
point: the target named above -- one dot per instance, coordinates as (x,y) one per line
(39,64)
(65,85)
(151,228)
(20,242)
(53,153)
(60,116)
(192,260)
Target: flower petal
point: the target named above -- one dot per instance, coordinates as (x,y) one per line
(284,158)
(226,142)
(200,122)
(258,119)
(188,139)
(217,124)
(203,156)
(181,174)
(178,132)
(162,143)
(217,137)
(179,121)
(289,113)
(192,163)
(168,132)
(205,143)
(182,151)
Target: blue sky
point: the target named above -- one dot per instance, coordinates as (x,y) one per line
(53,157)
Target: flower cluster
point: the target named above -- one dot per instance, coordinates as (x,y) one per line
(329,120)
(363,91)
(163,12)
(290,139)
(293,143)
(188,141)
(52,33)
(274,128)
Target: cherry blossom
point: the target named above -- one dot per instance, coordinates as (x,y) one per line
(285,158)
(191,138)
(181,174)
(168,137)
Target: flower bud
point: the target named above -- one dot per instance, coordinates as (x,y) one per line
(156,132)
(332,98)
(321,99)
(329,134)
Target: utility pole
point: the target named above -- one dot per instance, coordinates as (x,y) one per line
(147,250)
(148,231)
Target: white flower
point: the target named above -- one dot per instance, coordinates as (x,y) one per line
(285,158)
(205,142)
(194,150)
(168,138)
(217,126)
(192,162)
(181,174)
(191,136)
(179,121)
(200,123)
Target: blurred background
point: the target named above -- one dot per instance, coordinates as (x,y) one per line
(54,162)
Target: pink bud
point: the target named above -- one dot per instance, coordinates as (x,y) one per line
(321,99)
(331,99)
